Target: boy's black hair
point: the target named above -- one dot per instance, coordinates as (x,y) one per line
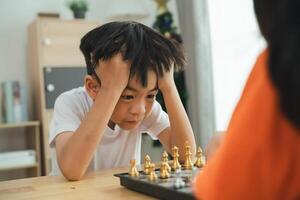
(145,48)
(279,21)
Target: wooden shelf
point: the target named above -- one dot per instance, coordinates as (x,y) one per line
(31,137)
(52,43)
(19,124)
(36,165)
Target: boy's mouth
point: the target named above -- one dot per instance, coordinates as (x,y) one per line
(132,122)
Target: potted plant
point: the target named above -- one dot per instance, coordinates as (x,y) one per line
(79,8)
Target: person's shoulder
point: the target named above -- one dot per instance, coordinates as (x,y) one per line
(155,113)
(73,96)
(73,93)
(155,108)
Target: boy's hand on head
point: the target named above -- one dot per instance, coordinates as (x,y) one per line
(165,82)
(114,73)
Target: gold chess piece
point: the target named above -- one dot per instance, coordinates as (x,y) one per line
(175,165)
(164,173)
(147,163)
(188,164)
(199,158)
(165,160)
(152,175)
(133,170)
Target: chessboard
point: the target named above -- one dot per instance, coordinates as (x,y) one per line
(169,181)
(177,186)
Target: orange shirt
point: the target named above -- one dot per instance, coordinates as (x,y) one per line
(260,155)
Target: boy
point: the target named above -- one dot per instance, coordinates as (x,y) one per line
(99,125)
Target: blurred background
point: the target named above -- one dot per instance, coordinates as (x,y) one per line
(40,58)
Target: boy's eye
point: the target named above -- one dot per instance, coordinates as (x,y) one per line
(151,96)
(127,97)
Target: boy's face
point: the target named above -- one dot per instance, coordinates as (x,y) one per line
(135,102)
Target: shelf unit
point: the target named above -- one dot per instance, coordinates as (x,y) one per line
(53,44)
(31,135)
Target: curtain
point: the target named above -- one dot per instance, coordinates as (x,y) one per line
(194,26)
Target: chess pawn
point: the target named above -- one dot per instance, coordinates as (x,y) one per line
(147,163)
(164,171)
(199,158)
(165,160)
(175,165)
(133,170)
(179,183)
(188,164)
(152,175)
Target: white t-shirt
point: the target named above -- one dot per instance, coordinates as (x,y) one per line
(117,146)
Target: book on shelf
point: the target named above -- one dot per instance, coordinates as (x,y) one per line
(8,101)
(24,101)
(1,105)
(17,158)
(14,102)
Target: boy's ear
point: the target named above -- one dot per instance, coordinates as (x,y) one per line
(91,86)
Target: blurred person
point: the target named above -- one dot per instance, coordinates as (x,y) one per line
(259,156)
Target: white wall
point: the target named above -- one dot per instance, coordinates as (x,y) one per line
(236,42)
(14,19)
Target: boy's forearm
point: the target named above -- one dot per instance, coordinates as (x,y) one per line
(180,125)
(78,151)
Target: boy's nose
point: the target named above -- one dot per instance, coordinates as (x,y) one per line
(138,108)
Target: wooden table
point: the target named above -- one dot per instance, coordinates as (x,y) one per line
(95,185)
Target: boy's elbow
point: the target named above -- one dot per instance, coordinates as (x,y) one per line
(71,173)
(72,176)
